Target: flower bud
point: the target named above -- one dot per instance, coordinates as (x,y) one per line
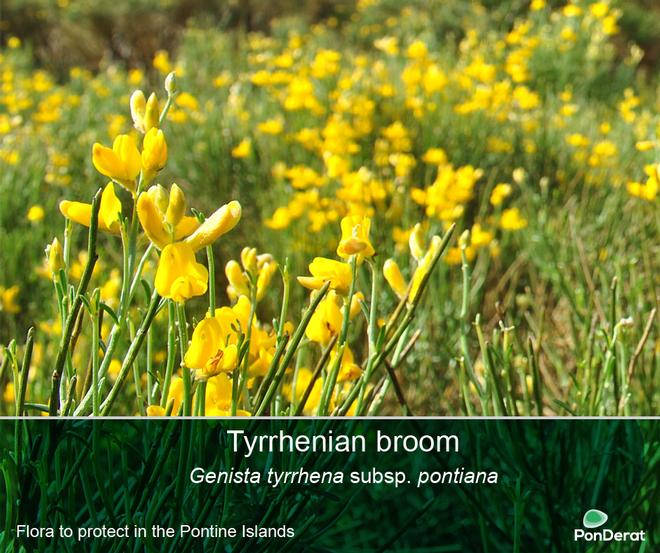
(434,246)
(265,276)
(138,106)
(416,242)
(236,278)
(154,152)
(464,240)
(249,260)
(263,259)
(519,175)
(170,83)
(152,113)
(55,257)
(356,301)
(176,206)
(158,194)
(219,223)
(394,278)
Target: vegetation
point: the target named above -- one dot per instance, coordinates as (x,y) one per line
(468,190)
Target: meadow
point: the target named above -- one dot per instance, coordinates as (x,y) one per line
(430,208)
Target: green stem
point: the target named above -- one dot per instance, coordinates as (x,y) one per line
(329,385)
(25,370)
(183,346)
(75,308)
(211,264)
(244,362)
(131,354)
(286,285)
(96,339)
(372,339)
(171,353)
(278,372)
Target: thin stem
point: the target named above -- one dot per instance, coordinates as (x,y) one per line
(278,372)
(96,339)
(329,385)
(75,308)
(131,354)
(237,392)
(286,285)
(211,265)
(372,337)
(25,370)
(171,353)
(183,346)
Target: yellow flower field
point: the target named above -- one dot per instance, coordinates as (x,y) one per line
(404,208)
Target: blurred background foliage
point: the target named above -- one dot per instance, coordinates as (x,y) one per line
(66,33)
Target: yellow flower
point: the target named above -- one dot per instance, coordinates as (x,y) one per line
(644,145)
(262,266)
(155,411)
(480,237)
(355,237)
(303,381)
(417,50)
(394,278)
(512,219)
(121,163)
(349,370)
(218,397)
(499,193)
(162,217)
(8,299)
(154,152)
(109,211)
(271,126)
(221,222)
(187,101)
(326,320)
(209,352)
(388,44)
(213,348)
(175,395)
(161,61)
(243,149)
(8,394)
(238,282)
(356,305)
(179,277)
(35,214)
(648,190)
(114,368)
(323,270)
(435,156)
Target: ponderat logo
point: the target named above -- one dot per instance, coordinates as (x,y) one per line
(593,519)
